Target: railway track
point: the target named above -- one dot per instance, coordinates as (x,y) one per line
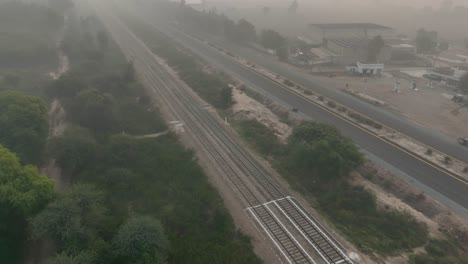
(266,197)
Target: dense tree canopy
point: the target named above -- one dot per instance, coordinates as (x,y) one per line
(84,257)
(375,46)
(74,150)
(271,39)
(141,240)
(23,123)
(23,192)
(72,219)
(321,148)
(426,41)
(245,31)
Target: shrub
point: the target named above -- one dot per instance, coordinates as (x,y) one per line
(288,83)
(308,92)
(447,160)
(429,152)
(465,170)
(342,109)
(378,126)
(321,98)
(331,104)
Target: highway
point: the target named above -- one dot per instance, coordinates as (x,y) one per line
(296,235)
(449,187)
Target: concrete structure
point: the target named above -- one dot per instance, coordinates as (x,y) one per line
(451,76)
(350,50)
(403,48)
(366,68)
(349,30)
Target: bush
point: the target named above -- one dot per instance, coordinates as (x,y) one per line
(378,126)
(260,136)
(308,92)
(429,152)
(465,170)
(321,98)
(331,104)
(288,83)
(447,160)
(342,109)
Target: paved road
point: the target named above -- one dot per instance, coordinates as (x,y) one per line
(434,179)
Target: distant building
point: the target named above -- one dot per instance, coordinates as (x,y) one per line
(349,30)
(350,50)
(450,75)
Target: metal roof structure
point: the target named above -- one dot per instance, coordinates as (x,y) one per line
(351,42)
(350,26)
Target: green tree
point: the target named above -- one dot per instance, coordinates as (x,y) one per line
(375,46)
(271,39)
(320,148)
(463,84)
(84,257)
(73,219)
(225,97)
(245,31)
(141,240)
(426,41)
(23,125)
(23,192)
(75,150)
(94,110)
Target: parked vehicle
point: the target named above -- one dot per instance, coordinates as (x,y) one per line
(463,141)
(432,77)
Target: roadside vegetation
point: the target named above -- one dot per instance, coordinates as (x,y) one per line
(210,86)
(129,199)
(317,160)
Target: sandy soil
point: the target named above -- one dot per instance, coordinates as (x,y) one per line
(252,109)
(430,107)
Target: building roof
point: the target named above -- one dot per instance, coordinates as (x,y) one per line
(350,26)
(402,46)
(351,42)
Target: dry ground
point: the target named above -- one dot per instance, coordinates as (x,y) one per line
(429,107)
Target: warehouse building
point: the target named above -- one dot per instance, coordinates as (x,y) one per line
(351,50)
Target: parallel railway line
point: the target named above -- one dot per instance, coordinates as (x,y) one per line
(234,161)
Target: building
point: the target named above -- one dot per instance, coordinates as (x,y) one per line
(350,50)
(366,68)
(449,75)
(349,30)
